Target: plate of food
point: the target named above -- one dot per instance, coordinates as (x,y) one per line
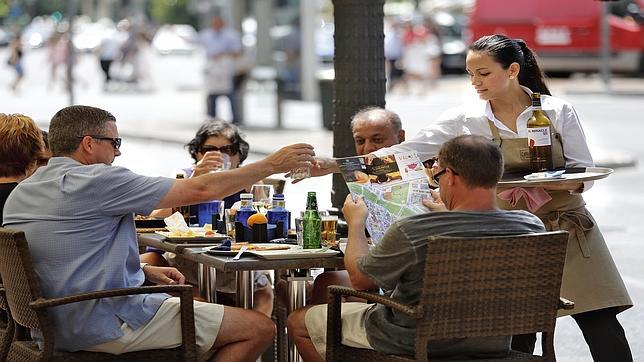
(250,248)
(295,252)
(193,234)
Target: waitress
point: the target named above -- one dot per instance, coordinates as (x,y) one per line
(504,72)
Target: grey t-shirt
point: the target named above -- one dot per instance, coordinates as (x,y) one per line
(397,263)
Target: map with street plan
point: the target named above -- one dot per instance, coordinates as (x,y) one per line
(392,187)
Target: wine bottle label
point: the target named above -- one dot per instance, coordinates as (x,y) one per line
(539,136)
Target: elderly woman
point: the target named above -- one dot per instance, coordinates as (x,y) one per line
(215,140)
(22,150)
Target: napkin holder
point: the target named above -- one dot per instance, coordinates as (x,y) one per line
(259,233)
(218,224)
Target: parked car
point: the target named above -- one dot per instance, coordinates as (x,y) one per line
(5,38)
(565,34)
(453,47)
(88,36)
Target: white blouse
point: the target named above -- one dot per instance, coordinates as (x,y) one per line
(472,118)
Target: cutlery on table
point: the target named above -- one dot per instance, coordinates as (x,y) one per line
(241,250)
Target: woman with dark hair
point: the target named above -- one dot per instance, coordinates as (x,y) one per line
(214,139)
(504,73)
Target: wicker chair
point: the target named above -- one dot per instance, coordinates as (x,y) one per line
(474,287)
(6,328)
(29,310)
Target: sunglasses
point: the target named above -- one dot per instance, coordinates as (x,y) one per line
(116,141)
(435,176)
(227,149)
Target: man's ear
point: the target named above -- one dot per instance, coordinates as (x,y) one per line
(451,177)
(86,145)
(401,136)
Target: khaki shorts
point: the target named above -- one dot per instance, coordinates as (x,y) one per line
(164,330)
(353,330)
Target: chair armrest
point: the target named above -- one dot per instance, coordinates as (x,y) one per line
(565,304)
(412,311)
(53,302)
(185,295)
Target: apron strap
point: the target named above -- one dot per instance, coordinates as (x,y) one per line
(496,137)
(579,223)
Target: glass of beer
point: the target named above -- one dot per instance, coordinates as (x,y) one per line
(329,226)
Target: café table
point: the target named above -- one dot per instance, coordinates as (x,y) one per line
(297,273)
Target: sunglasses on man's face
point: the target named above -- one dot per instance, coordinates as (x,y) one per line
(435,173)
(227,149)
(116,141)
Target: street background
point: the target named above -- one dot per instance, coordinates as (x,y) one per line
(155,125)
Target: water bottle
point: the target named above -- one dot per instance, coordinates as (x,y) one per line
(279,213)
(312,223)
(246,209)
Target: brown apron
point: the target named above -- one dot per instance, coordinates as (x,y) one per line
(590,277)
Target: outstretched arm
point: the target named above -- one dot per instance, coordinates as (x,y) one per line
(355,212)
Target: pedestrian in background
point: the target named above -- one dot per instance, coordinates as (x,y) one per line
(15,61)
(223,48)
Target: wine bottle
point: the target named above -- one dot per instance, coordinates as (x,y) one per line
(312,223)
(539,137)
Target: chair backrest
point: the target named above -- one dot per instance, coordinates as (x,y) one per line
(19,279)
(491,286)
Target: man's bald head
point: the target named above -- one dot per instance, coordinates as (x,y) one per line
(374,128)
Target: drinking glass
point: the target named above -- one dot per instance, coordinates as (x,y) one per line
(300,173)
(329,227)
(299,230)
(262,196)
(207,209)
(225,163)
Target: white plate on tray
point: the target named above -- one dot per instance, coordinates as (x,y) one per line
(590,174)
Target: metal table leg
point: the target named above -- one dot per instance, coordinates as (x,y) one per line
(245,284)
(296,279)
(207,280)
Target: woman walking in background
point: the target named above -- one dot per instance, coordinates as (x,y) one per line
(15,61)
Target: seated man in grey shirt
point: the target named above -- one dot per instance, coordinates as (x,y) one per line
(467,171)
(78,216)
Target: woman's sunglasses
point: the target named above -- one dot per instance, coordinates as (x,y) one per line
(227,149)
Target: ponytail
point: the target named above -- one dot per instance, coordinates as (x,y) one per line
(530,74)
(506,51)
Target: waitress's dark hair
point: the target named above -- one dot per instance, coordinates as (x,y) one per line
(506,51)
(219,127)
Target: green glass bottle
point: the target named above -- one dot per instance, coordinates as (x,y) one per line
(312,223)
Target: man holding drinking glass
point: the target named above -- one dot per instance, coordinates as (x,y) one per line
(78,216)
